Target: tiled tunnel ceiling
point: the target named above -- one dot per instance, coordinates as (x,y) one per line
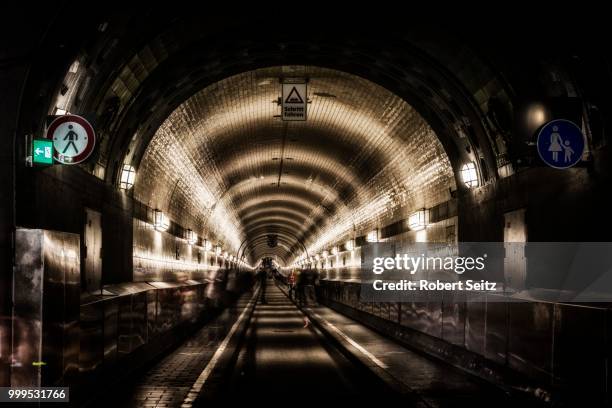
(224,164)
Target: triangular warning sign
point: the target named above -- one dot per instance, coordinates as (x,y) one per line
(294,97)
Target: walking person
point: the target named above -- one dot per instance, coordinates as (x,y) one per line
(262,276)
(300,288)
(291,282)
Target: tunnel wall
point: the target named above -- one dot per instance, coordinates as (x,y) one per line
(55,198)
(346,265)
(11,81)
(117,329)
(46,305)
(160,256)
(559,348)
(561,205)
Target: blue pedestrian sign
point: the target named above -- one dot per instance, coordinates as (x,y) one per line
(560,144)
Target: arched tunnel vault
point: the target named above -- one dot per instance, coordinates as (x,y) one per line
(225,164)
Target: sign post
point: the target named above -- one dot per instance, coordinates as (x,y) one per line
(42,152)
(294,101)
(73,139)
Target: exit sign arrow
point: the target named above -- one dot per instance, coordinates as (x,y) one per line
(42,150)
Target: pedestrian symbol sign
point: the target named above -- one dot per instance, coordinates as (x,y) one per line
(560,144)
(73,139)
(42,151)
(294,101)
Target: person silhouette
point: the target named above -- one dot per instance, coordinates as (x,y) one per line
(555,144)
(71,136)
(568,151)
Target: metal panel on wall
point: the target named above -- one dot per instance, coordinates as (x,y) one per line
(453,318)
(530,338)
(91,353)
(496,336)
(93,250)
(580,338)
(61,306)
(27,309)
(475,323)
(47,304)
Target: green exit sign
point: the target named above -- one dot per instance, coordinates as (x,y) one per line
(42,151)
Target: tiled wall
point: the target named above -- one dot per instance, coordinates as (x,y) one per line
(160,256)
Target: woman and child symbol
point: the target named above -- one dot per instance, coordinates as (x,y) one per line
(557,144)
(560,143)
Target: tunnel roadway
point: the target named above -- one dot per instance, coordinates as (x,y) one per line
(278,354)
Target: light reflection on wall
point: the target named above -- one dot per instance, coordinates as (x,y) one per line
(444,231)
(160,256)
(188,166)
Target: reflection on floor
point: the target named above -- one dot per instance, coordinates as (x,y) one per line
(284,356)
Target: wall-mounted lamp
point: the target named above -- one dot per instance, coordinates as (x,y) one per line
(372,236)
(334,250)
(160,221)
(191,237)
(349,245)
(207,245)
(469,175)
(128,176)
(418,220)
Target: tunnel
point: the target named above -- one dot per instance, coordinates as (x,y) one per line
(202,209)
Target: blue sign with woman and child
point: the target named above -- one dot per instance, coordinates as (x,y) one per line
(560,143)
